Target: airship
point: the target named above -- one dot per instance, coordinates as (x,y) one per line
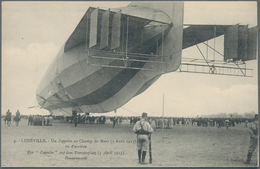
(116,54)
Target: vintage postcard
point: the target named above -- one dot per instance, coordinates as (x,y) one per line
(129,84)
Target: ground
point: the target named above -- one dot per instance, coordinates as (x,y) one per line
(63,145)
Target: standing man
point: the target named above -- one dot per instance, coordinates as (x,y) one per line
(142,128)
(30,120)
(74,116)
(253,130)
(17,117)
(50,120)
(114,121)
(45,120)
(227,123)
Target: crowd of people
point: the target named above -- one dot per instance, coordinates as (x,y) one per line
(82,119)
(156,122)
(40,120)
(169,122)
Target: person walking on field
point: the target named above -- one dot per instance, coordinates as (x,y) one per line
(253,130)
(142,128)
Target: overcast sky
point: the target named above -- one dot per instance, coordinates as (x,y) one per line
(33,33)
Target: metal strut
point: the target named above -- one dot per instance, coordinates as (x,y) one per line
(241,69)
(215,51)
(126,62)
(215,28)
(162,41)
(127,20)
(212,68)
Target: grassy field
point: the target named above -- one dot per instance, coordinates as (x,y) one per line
(63,145)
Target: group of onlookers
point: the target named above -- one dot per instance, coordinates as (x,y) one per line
(169,122)
(40,120)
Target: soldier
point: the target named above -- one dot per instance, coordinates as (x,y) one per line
(45,120)
(142,128)
(50,120)
(170,123)
(114,121)
(227,123)
(253,130)
(8,117)
(74,116)
(131,120)
(17,116)
(156,123)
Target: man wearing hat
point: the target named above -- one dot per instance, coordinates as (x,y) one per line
(142,128)
(253,130)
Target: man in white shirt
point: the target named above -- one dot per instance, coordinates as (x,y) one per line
(142,128)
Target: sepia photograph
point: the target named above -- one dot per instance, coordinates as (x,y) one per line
(129,84)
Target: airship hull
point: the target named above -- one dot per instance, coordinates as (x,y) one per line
(91,88)
(91,75)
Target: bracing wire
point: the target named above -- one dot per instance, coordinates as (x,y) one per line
(130,111)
